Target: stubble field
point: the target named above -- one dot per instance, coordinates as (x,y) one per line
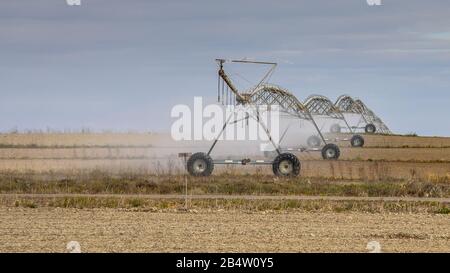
(127,192)
(111,230)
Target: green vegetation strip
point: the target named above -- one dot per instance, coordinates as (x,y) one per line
(192,205)
(102,183)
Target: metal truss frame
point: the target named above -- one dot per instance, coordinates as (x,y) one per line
(347,105)
(322,106)
(265,94)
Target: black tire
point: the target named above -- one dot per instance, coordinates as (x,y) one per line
(200,164)
(286,165)
(357,141)
(335,128)
(330,152)
(313,141)
(370,129)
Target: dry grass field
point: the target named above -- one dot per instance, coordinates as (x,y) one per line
(146,139)
(154,153)
(102,191)
(397,157)
(111,230)
(368,170)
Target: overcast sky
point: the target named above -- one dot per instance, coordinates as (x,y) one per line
(122,65)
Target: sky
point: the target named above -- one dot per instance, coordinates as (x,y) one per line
(122,65)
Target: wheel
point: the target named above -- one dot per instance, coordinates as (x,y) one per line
(370,128)
(335,128)
(200,164)
(330,151)
(286,165)
(357,141)
(313,141)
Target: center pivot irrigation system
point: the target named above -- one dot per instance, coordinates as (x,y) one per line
(320,106)
(285,163)
(263,94)
(368,121)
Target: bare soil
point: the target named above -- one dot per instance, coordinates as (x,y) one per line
(122,223)
(112,230)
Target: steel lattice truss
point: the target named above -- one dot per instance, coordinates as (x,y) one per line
(346,104)
(315,105)
(322,106)
(269,94)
